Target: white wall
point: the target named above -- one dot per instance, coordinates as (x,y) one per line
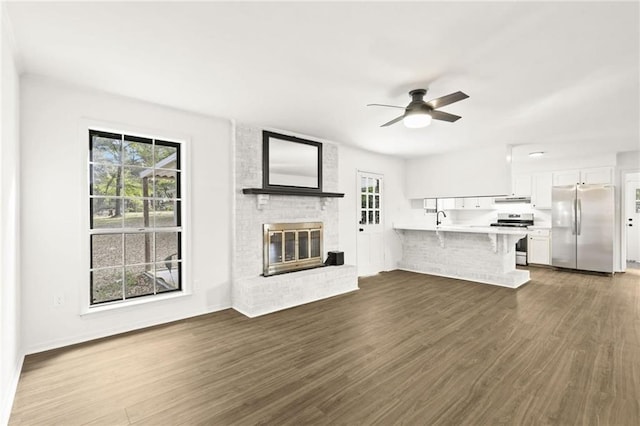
(476,172)
(10,346)
(396,205)
(54,241)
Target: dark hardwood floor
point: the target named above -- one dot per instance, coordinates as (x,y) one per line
(407,348)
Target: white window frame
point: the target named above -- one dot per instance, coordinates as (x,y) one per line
(185,189)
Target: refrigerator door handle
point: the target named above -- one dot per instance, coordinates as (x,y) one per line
(578,216)
(573,217)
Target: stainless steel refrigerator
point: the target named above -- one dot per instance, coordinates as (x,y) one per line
(582,227)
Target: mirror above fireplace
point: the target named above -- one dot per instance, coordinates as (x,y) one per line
(290,162)
(291,166)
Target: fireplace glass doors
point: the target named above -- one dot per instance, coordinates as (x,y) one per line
(291,247)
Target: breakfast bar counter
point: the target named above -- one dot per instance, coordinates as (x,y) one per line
(474,253)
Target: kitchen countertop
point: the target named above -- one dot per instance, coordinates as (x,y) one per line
(472,229)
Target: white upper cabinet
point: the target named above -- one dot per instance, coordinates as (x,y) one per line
(446,204)
(467,203)
(521,186)
(474,203)
(602,175)
(485,203)
(567,177)
(595,175)
(541,184)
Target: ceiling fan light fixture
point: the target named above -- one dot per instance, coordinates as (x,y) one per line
(417,120)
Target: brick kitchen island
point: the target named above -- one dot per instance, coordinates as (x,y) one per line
(481,254)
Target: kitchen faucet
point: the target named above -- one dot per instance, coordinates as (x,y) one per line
(438,217)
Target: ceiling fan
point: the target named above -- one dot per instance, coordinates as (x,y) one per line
(419,113)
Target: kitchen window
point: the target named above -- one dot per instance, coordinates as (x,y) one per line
(135,217)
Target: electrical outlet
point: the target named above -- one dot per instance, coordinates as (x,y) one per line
(58,300)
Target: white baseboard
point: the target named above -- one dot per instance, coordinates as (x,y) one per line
(81,338)
(463,278)
(7,404)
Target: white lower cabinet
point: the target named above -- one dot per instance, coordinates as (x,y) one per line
(539,247)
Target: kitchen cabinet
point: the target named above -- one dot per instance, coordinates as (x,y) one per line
(539,247)
(594,175)
(566,177)
(521,186)
(446,204)
(541,185)
(601,175)
(474,203)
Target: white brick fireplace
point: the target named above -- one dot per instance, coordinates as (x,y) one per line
(253,294)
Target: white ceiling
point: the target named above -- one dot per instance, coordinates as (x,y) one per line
(557,77)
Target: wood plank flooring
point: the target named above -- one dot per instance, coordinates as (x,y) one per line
(407,348)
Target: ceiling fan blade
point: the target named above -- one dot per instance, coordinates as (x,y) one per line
(383,105)
(447,99)
(394,121)
(444,116)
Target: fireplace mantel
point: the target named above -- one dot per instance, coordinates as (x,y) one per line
(293,192)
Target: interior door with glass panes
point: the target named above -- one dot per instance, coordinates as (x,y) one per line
(632,219)
(370,226)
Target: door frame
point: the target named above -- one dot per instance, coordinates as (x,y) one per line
(623,214)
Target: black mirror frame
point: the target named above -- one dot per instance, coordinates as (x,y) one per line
(266,135)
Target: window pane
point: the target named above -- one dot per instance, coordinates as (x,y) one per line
(168,276)
(167,184)
(303,245)
(124,194)
(138,281)
(167,213)
(106,250)
(377,217)
(377,203)
(363,217)
(167,247)
(167,155)
(377,188)
(138,248)
(106,285)
(105,180)
(370,185)
(370,201)
(370,213)
(275,247)
(315,244)
(363,184)
(289,246)
(138,182)
(138,153)
(106,149)
(106,213)
(363,201)
(138,213)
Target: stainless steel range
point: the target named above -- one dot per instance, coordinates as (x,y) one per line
(516,220)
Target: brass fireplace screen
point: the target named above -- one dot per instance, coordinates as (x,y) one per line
(291,247)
